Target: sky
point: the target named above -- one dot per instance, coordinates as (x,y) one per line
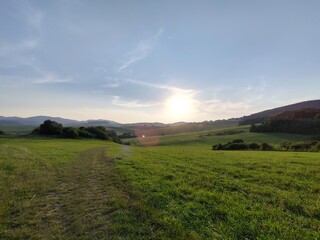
(157,61)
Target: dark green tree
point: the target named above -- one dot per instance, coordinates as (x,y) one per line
(49,127)
(70,132)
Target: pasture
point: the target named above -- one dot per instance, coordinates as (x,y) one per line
(168,187)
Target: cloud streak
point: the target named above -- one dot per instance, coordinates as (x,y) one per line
(51,79)
(8,49)
(139,53)
(116,100)
(166,87)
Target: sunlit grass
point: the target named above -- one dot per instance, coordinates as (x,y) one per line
(233,195)
(178,189)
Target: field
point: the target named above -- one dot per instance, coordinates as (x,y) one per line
(17,129)
(169,187)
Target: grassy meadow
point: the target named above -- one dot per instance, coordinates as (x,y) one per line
(206,139)
(168,187)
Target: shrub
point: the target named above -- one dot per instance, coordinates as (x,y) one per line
(316,147)
(253,146)
(70,132)
(266,147)
(84,134)
(236,146)
(2,132)
(49,127)
(98,132)
(217,147)
(36,131)
(285,146)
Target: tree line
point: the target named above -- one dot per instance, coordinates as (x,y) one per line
(239,144)
(305,121)
(52,128)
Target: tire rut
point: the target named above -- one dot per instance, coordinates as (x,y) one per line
(81,203)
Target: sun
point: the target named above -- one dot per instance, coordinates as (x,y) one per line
(179,105)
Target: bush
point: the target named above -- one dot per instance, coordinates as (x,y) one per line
(2,132)
(237,141)
(84,134)
(236,146)
(36,131)
(300,146)
(253,146)
(98,132)
(266,147)
(285,146)
(316,147)
(50,128)
(70,132)
(217,147)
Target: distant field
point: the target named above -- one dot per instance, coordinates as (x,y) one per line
(206,139)
(17,129)
(176,189)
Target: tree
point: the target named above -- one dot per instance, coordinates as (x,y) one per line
(70,132)
(266,147)
(49,127)
(98,132)
(253,146)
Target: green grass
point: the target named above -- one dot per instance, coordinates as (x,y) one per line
(17,129)
(62,189)
(200,139)
(175,188)
(202,194)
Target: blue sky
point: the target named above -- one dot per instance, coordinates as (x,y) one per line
(130,61)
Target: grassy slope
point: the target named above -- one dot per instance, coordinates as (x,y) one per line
(202,194)
(179,189)
(205,194)
(64,189)
(17,129)
(199,139)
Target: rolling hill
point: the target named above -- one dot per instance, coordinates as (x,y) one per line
(261,116)
(37,120)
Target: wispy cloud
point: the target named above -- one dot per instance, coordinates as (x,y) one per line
(51,79)
(140,52)
(9,49)
(34,17)
(111,82)
(172,89)
(116,100)
(233,103)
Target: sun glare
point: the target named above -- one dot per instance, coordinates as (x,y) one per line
(179,105)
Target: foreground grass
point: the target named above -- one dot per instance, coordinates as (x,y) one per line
(202,194)
(65,189)
(88,189)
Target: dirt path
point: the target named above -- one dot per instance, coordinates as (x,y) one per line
(88,194)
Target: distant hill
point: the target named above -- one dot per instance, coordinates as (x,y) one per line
(37,120)
(18,125)
(305,121)
(145,124)
(262,116)
(169,129)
